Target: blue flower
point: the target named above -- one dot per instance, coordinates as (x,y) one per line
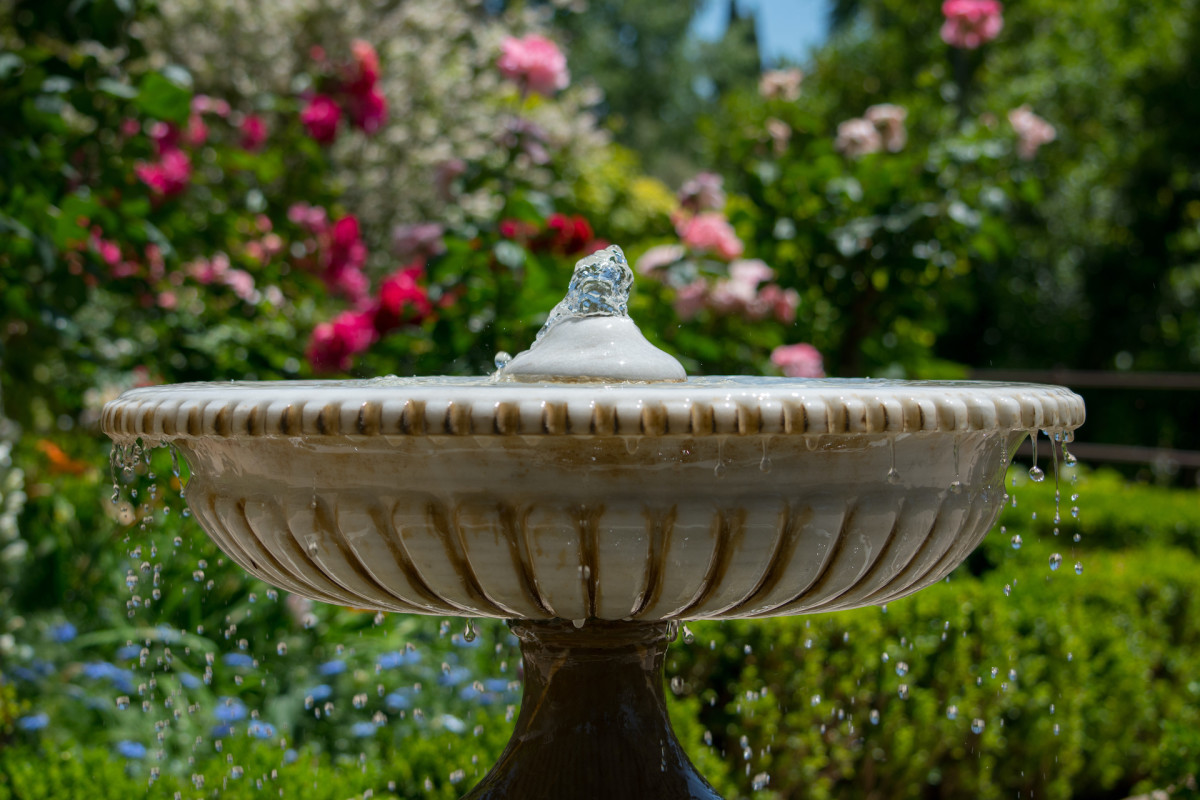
(335,667)
(452,723)
(496,685)
(131,749)
(221,731)
(290,756)
(399,659)
(168,634)
(189,680)
(23,674)
(229,709)
(237,660)
(97,670)
(129,652)
(260,730)
(363,729)
(34,722)
(63,632)
(471,693)
(455,676)
(322,692)
(397,701)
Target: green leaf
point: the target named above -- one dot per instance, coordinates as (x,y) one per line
(164,99)
(73,218)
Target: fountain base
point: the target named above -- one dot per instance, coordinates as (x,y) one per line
(593,720)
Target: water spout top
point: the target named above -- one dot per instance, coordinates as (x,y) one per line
(589,336)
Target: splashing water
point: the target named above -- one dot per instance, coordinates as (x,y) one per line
(600,286)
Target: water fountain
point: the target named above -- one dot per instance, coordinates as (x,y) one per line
(595,496)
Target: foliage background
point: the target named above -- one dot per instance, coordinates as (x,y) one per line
(134,658)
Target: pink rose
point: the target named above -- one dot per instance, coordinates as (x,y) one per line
(970,23)
(710,231)
(312,217)
(197,132)
(535,63)
(368,111)
(167,300)
(402,298)
(364,72)
(321,117)
(334,344)
(169,175)
(799,361)
(1032,131)
(254,132)
(888,119)
(660,257)
(780,84)
(857,137)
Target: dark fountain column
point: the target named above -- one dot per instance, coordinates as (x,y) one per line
(593,721)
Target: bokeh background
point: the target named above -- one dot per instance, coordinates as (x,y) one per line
(286,189)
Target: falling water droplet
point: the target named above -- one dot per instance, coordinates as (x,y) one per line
(815,701)
(1055,561)
(469,633)
(1036,475)
(281,648)
(902,669)
(893,477)
(903,691)
(1016,541)
(977,725)
(502,358)
(951,712)
(1078,567)
(719,470)
(688,636)
(956,487)
(874,716)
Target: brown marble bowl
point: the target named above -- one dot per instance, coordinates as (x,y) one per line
(713,498)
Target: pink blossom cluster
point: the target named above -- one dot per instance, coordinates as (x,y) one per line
(170,174)
(355,92)
(799,360)
(780,84)
(1032,131)
(336,249)
(401,301)
(219,270)
(534,63)
(709,232)
(971,23)
(744,292)
(880,128)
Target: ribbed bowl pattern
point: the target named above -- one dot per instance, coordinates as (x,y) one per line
(647,528)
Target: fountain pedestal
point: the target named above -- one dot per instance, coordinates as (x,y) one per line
(593,721)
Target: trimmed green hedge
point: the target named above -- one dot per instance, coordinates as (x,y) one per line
(1102,661)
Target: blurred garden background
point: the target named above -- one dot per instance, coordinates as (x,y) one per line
(226,190)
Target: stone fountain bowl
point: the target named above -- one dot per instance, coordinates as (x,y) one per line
(709,498)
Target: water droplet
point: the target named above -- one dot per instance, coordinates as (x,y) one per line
(281,648)
(469,633)
(951,712)
(903,691)
(1078,567)
(1069,458)
(874,716)
(893,477)
(1016,541)
(977,725)
(815,701)
(1055,561)
(688,636)
(956,487)
(719,470)
(1036,475)
(502,359)
(901,669)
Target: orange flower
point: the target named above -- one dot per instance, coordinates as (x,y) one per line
(59,460)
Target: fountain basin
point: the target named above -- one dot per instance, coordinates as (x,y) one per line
(710,498)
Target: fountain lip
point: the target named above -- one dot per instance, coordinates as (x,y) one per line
(699,406)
